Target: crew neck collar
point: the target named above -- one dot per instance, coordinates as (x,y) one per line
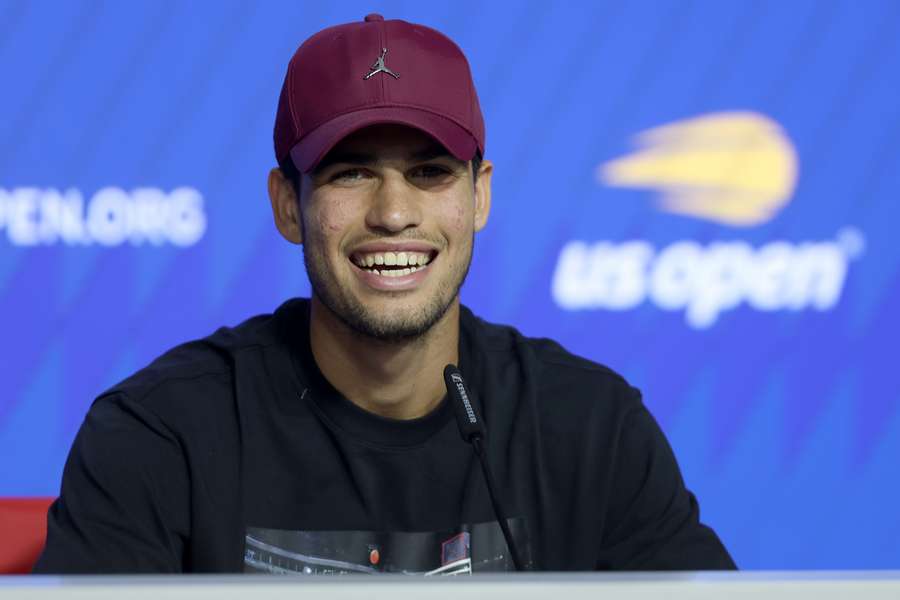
(345,416)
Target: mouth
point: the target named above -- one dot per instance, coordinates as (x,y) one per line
(393,270)
(393,264)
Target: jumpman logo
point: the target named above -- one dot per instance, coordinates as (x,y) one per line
(379,67)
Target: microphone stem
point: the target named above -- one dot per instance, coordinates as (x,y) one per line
(501,517)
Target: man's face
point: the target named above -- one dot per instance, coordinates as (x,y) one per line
(387,223)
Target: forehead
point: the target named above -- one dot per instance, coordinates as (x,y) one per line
(382,142)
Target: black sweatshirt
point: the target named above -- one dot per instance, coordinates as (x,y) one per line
(234,453)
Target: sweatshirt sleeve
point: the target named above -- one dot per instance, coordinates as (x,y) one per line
(653,521)
(124,503)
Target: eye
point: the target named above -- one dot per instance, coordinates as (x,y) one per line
(347,176)
(430,171)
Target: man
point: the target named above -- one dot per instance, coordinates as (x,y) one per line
(320,439)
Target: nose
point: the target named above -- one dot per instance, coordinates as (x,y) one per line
(395,205)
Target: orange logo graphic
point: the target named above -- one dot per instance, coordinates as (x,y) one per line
(734,168)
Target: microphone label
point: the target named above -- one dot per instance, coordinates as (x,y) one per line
(465,397)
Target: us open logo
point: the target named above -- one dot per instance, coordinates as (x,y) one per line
(737,169)
(734,168)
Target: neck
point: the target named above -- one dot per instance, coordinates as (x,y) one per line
(399,380)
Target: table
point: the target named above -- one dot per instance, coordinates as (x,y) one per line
(818,585)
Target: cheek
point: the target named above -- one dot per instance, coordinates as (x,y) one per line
(329,224)
(333,218)
(459,218)
(455,213)
(460,215)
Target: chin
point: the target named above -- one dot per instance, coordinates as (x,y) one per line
(385,315)
(413,320)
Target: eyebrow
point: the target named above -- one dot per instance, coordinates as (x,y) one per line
(362,158)
(432,152)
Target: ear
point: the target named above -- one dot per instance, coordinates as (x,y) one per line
(285,207)
(483,194)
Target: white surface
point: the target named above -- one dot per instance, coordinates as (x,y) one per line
(859,585)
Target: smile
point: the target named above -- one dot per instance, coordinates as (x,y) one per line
(393,270)
(392,264)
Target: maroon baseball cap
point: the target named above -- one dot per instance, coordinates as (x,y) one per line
(354,75)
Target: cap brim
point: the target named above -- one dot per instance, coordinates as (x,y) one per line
(307,153)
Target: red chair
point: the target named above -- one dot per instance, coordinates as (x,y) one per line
(23,531)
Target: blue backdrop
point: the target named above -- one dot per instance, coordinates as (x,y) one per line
(702,195)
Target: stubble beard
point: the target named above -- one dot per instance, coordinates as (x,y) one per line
(405,325)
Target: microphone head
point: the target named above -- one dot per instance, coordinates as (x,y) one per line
(466,418)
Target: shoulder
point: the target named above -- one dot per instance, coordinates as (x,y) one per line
(550,371)
(202,370)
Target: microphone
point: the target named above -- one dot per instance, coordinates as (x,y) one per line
(472,431)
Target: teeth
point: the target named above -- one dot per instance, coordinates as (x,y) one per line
(399,259)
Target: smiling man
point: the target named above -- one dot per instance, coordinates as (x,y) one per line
(320,438)
(387,221)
